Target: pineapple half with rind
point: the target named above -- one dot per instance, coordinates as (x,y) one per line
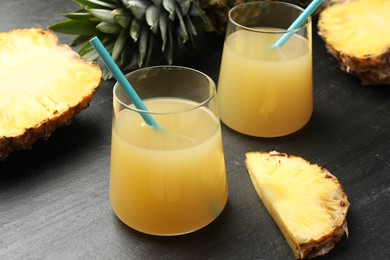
(43,85)
(356,33)
(306,201)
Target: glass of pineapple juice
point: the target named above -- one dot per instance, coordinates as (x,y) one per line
(172,180)
(265,91)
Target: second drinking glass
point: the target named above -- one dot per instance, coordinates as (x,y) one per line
(265,91)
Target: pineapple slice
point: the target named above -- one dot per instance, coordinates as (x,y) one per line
(43,84)
(306,201)
(356,33)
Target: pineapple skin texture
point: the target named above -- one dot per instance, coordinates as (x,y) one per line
(20,128)
(371,68)
(302,247)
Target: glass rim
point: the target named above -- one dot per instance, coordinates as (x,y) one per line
(151,112)
(281,31)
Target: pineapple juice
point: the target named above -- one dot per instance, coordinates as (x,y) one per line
(171,181)
(264,91)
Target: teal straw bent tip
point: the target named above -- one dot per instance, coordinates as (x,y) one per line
(120,77)
(298,22)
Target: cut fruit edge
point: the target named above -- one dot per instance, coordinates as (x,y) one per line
(313,247)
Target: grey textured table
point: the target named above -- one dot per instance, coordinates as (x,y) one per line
(54,199)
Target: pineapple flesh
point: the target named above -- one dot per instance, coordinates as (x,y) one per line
(356,33)
(306,201)
(43,84)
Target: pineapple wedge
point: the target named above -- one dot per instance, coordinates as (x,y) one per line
(356,33)
(306,201)
(43,85)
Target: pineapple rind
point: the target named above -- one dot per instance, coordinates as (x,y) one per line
(43,85)
(286,185)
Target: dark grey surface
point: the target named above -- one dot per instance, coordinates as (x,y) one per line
(54,199)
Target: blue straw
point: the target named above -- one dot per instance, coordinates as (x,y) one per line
(111,65)
(297,23)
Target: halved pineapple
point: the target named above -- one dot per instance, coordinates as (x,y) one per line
(43,84)
(356,33)
(306,201)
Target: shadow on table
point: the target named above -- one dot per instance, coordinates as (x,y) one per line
(192,245)
(62,147)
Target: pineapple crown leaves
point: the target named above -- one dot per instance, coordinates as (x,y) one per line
(135,32)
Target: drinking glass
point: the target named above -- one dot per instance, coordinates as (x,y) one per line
(169,180)
(266,91)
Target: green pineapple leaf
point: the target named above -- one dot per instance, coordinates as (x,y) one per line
(122,17)
(190,26)
(182,35)
(183,31)
(184,6)
(138,8)
(81,16)
(85,48)
(196,10)
(170,6)
(103,15)
(170,44)
(157,2)
(90,54)
(109,28)
(152,17)
(75,27)
(150,48)
(143,44)
(79,40)
(128,57)
(96,4)
(135,29)
(163,22)
(120,43)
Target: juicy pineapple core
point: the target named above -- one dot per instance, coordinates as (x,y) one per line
(307,202)
(358,28)
(40,79)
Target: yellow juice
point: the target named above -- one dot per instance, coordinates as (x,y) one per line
(171,181)
(265,91)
